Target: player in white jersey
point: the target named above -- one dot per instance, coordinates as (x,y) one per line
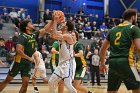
(66,67)
(39,70)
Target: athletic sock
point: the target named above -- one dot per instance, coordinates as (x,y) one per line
(89,92)
(35,88)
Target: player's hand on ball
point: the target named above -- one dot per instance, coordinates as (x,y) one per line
(58,16)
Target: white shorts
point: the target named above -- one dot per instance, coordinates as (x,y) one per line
(66,70)
(40,72)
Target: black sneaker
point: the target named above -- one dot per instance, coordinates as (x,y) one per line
(99,84)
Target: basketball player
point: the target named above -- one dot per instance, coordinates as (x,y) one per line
(54,63)
(122,40)
(25,49)
(66,66)
(39,69)
(80,64)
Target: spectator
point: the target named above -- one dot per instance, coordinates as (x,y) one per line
(87,31)
(94,26)
(5,15)
(81,12)
(119,21)
(3,51)
(113,22)
(15,38)
(47,16)
(23,15)
(14,17)
(9,44)
(19,12)
(104,33)
(13,14)
(29,18)
(11,55)
(86,19)
(103,27)
(44,55)
(94,44)
(107,20)
(95,29)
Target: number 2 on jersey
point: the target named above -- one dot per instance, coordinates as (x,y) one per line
(118,36)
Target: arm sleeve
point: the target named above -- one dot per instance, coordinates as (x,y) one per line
(21,40)
(80,47)
(136,32)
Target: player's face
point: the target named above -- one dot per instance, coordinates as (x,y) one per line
(134,20)
(63,26)
(96,51)
(74,36)
(30,26)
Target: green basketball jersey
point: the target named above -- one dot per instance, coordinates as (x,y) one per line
(55,57)
(121,40)
(29,43)
(80,61)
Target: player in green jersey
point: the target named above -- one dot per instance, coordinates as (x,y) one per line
(25,49)
(122,40)
(54,63)
(80,64)
(55,55)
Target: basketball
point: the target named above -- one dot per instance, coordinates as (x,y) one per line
(61,15)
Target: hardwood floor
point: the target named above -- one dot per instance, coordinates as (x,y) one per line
(13,88)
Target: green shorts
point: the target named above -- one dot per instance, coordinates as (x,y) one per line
(80,73)
(51,66)
(23,68)
(120,70)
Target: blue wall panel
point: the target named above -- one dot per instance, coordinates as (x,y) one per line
(89,6)
(53,4)
(116,9)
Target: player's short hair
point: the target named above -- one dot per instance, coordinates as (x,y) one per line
(129,13)
(23,25)
(77,35)
(70,25)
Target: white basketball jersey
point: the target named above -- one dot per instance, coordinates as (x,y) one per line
(41,59)
(65,51)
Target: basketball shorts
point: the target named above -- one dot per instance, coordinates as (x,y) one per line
(121,71)
(66,69)
(23,68)
(40,72)
(80,73)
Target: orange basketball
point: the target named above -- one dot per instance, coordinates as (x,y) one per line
(61,15)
